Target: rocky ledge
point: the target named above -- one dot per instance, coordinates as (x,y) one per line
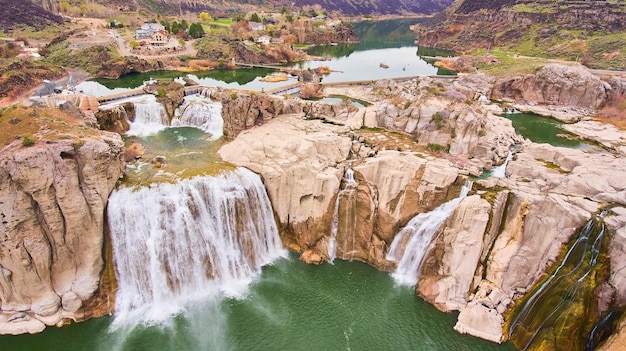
(52,200)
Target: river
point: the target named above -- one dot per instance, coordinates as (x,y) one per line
(389,42)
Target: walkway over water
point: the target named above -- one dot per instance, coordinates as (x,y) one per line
(280,90)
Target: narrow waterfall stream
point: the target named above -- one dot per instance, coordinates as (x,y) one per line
(201,112)
(150,117)
(349,221)
(413,242)
(500,171)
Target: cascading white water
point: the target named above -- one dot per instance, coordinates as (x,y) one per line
(201,112)
(349,187)
(419,233)
(500,171)
(150,117)
(175,243)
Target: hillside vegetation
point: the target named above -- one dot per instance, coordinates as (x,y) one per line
(19,13)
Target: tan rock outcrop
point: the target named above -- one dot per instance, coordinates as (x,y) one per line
(554,84)
(444,114)
(617,341)
(449,272)
(606,135)
(52,201)
(298,161)
(616,223)
(553,192)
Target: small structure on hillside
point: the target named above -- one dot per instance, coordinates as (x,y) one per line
(263,40)
(256,26)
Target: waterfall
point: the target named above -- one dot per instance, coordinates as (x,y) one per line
(201,112)
(176,243)
(150,117)
(350,186)
(500,171)
(419,233)
(566,286)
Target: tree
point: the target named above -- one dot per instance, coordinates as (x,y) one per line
(255,18)
(205,17)
(196,31)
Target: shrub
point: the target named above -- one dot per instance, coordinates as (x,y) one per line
(161,92)
(27,140)
(439,148)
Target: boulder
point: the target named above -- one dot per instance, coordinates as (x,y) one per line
(554,84)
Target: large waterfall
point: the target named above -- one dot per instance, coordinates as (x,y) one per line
(201,112)
(150,117)
(175,243)
(419,233)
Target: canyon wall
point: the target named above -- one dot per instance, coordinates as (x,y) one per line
(52,201)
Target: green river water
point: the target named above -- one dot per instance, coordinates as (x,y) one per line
(546,130)
(293,306)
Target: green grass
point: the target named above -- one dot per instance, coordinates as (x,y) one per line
(223,21)
(534,8)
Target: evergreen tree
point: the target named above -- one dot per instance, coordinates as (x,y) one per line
(196,30)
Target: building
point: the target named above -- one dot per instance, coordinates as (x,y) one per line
(159,38)
(148,29)
(256,26)
(263,40)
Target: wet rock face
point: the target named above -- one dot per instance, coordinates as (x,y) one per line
(170,96)
(52,201)
(115,119)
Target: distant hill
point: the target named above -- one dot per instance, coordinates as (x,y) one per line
(593,32)
(15,13)
(383,7)
(349,7)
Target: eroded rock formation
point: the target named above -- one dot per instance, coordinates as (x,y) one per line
(555,84)
(52,201)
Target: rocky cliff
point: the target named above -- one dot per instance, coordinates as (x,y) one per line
(499,241)
(587,31)
(53,196)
